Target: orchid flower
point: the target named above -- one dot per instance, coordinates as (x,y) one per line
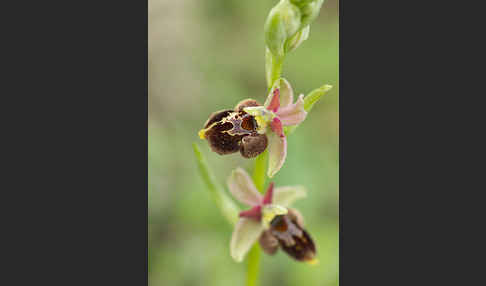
(277,112)
(269,220)
(232,130)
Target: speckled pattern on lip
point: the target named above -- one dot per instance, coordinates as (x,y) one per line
(229,131)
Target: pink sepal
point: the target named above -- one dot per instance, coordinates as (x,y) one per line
(267,199)
(253,213)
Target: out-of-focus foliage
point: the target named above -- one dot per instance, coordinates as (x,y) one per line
(206,56)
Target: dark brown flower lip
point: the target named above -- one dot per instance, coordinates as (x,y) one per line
(229,131)
(293,239)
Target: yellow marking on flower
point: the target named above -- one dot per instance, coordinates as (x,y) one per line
(313,261)
(262,116)
(262,124)
(202,134)
(269,212)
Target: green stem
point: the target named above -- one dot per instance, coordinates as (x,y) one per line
(253,266)
(273,67)
(259,177)
(259,174)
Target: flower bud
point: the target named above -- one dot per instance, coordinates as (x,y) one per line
(301,2)
(294,42)
(283,22)
(287,24)
(309,10)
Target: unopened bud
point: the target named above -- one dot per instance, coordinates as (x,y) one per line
(287,24)
(294,42)
(283,22)
(309,10)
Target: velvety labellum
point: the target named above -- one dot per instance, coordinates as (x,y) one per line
(230,131)
(292,238)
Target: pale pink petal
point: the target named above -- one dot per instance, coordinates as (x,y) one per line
(245,234)
(285,196)
(243,189)
(293,114)
(277,151)
(286,93)
(291,108)
(267,199)
(274,101)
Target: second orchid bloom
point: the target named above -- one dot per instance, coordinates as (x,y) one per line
(269,220)
(252,128)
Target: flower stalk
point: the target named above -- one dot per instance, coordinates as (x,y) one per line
(273,67)
(259,177)
(253,270)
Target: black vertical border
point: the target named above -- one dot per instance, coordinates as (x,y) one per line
(409,128)
(77,133)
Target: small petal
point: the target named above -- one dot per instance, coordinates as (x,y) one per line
(267,199)
(293,114)
(277,151)
(277,127)
(254,213)
(243,189)
(245,234)
(285,196)
(275,100)
(286,93)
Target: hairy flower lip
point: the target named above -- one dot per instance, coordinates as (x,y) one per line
(293,238)
(226,131)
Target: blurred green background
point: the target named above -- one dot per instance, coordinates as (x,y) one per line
(206,55)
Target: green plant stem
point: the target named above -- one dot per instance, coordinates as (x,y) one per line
(273,67)
(253,266)
(259,171)
(259,177)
